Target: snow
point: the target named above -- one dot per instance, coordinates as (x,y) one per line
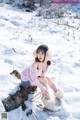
(20,34)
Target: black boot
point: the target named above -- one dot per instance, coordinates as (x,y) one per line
(23,106)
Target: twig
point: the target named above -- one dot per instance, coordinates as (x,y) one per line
(30,112)
(4,91)
(35,115)
(13,49)
(37,96)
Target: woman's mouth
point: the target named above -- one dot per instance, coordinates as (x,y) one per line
(40,58)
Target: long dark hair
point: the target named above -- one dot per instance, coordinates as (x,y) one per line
(43,49)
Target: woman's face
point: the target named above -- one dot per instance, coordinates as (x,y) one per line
(40,56)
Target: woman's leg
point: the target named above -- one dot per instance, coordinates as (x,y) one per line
(47,81)
(51,84)
(44,82)
(58,93)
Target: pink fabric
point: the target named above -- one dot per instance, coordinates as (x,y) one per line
(38,84)
(48,55)
(47,96)
(31,74)
(53,88)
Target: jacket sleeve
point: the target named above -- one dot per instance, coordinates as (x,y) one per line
(38,84)
(33,73)
(24,75)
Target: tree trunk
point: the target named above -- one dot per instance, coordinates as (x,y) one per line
(41,2)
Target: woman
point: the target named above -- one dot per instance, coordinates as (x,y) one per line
(35,73)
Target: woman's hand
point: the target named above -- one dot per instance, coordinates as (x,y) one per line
(43,91)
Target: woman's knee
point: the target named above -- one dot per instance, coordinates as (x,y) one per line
(43,80)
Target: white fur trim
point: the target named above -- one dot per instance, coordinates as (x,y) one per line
(50,104)
(59,94)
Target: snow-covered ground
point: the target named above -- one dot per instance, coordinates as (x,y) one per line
(20,34)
